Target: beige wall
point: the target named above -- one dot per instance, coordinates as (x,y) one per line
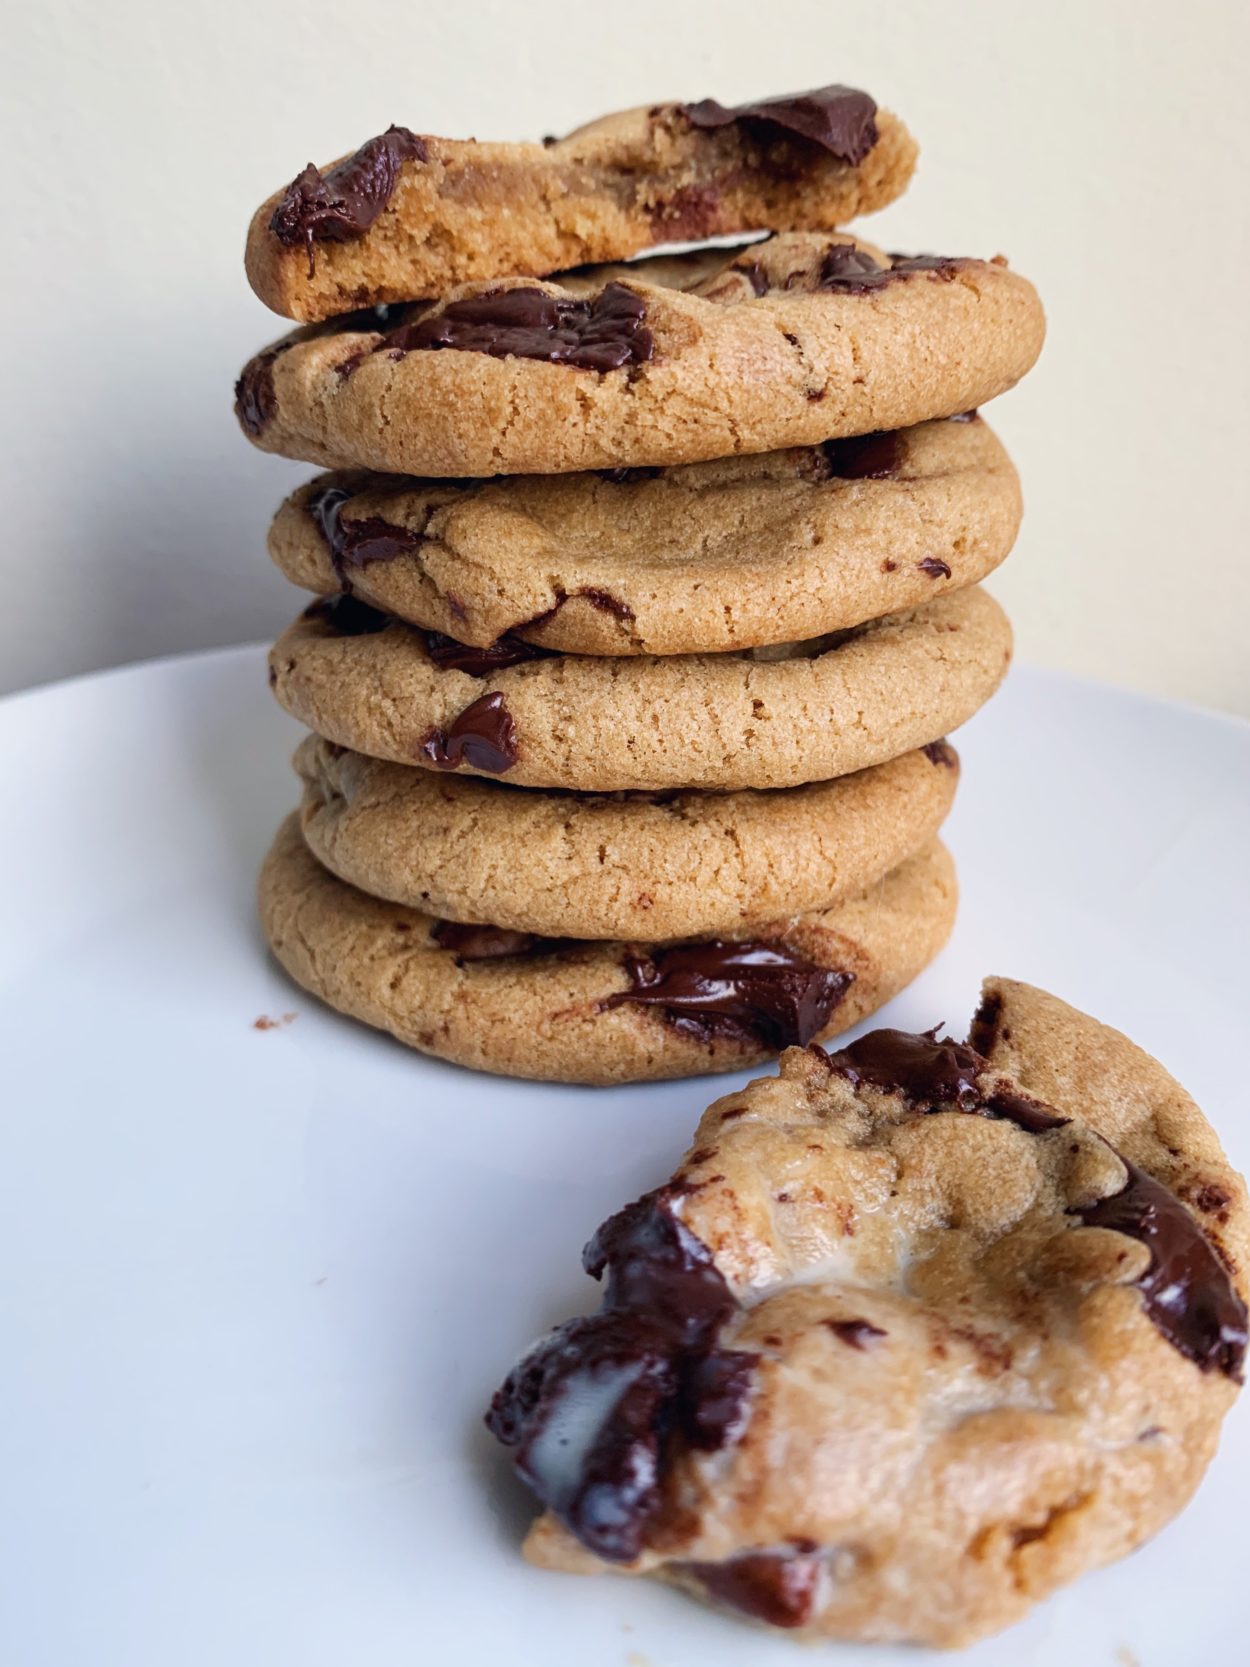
(1104,146)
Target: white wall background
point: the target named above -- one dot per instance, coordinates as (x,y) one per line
(1104,145)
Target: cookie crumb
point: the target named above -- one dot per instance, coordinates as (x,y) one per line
(264,1022)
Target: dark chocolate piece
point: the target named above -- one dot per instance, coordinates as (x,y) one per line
(862,456)
(343,203)
(484,943)
(254,399)
(602,332)
(354,544)
(926,1071)
(347,616)
(1024,1111)
(598,1409)
(842,120)
(749,992)
(482,736)
(983,1032)
(451,655)
(941,752)
(780,1588)
(1187,1290)
(851,271)
(935,567)
(856,1334)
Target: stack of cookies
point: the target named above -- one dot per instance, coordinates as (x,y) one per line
(646,592)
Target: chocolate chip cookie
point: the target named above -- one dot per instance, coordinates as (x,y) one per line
(639,866)
(409,215)
(669,360)
(919,1331)
(771,717)
(599,1012)
(775,547)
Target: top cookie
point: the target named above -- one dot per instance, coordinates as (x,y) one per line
(919,1331)
(409,215)
(674,359)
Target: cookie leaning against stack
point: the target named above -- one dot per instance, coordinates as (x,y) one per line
(646,592)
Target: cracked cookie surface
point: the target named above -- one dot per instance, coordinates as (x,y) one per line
(714,556)
(667,360)
(648,867)
(410,215)
(599,1012)
(918,1332)
(777,717)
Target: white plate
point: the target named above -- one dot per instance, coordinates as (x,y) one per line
(259,1284)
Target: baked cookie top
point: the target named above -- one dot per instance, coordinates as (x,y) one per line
(768,717)
(919,1331)
(409,215)
(668,360)
(607,1011)
(649,866)
(774,547)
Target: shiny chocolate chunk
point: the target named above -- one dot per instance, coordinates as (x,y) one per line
(343,203)
(601,332)
(1186,1290)
(482,736)
(842,120)
(924,1070)
(598,1410)
(765,993)
(354,544)
(862,457)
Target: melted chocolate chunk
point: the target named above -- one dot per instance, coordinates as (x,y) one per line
(862,457)
(254,399)
(750,992)
(780,1588)
(355,544)
(479,662)
(482,736)
(926,1071)
(983,1032)
(600,333)
(1024,1111)
(856,1334)
(654,1264)
(597,1410)
(850,271)
(942,753)
(484,943)
(935,567)
(755,275)
(842,120)
(1186,1290)
(347,616)
(345,201)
